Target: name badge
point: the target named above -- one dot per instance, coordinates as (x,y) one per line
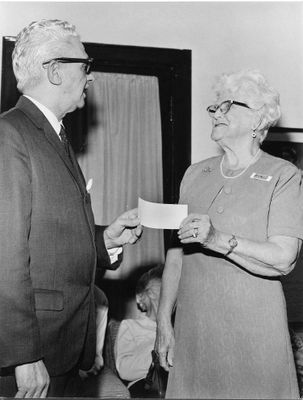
(261,177)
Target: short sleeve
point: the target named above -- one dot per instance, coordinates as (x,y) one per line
(286,209)
(184,183)
(174,240)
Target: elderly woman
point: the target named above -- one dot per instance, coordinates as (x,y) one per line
(244,231)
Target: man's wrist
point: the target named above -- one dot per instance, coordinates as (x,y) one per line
(114,253)
(108,241)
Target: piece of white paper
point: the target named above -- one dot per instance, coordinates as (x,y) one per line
(161,216)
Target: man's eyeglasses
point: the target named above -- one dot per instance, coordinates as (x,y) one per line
(86,61)
(224,107)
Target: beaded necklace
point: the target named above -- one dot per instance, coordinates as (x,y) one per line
(244,170)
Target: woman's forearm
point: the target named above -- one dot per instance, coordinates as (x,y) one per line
(274,257)
(170,283)
(165,341)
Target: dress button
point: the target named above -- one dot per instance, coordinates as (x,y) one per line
(227,189)
(220,210)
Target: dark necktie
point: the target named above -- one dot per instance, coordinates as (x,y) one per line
(64,140)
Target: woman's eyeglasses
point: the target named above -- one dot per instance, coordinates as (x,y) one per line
(87,62)
(224,107)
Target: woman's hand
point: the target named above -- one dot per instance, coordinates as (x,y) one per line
(197,228)
(165,343)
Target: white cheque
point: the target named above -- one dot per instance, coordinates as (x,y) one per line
(161,216)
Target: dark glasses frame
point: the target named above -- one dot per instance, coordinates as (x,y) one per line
(67,60)
(214,107)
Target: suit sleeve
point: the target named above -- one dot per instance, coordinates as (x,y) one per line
(19,333)
(103,258)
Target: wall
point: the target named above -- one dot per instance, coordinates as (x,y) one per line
(223,36)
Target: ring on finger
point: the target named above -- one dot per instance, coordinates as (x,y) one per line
(196,232)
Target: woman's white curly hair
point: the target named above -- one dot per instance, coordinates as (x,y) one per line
(254,86)
(36,43)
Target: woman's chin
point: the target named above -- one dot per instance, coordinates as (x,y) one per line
(218,132)
(215,136)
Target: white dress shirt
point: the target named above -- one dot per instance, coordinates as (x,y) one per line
(134,344)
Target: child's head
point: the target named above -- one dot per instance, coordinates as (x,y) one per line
(148,291)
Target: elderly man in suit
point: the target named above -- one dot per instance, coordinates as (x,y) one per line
(49,243)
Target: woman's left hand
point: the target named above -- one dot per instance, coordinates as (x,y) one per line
(197,228)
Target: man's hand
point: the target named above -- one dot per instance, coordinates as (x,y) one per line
(32,380)
(95,369)
(125,229)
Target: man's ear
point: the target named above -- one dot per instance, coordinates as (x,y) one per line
(53,73)
(141,301)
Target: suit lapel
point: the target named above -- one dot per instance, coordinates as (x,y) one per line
(54,140)
(38,118)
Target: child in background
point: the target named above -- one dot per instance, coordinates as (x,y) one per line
(136,337)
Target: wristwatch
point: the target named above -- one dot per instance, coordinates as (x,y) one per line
(233,243)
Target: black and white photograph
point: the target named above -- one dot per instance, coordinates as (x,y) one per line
(151,199)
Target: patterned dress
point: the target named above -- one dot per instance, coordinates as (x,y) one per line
(231,330)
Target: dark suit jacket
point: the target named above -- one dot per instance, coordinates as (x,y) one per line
(48,247)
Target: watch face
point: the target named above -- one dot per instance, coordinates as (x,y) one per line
(233,242)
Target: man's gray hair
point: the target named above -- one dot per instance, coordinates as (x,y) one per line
(256,88)
(36,43)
